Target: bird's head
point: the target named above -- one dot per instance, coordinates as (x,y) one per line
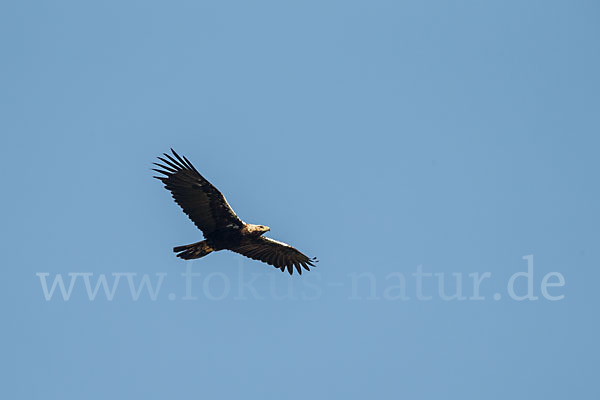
(258,229)
(263,229)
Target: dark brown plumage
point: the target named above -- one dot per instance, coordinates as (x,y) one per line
(222,228)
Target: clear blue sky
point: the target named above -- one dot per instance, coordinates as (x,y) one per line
(379,136)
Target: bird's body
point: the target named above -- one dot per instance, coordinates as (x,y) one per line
(222,228)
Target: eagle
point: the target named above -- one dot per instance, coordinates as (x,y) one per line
(222,228)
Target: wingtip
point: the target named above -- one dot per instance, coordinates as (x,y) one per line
(174,153)
(159,171)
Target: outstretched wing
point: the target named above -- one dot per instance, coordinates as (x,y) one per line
(198,198)
(278,254)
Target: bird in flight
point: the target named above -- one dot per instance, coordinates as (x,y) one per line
(222,228)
